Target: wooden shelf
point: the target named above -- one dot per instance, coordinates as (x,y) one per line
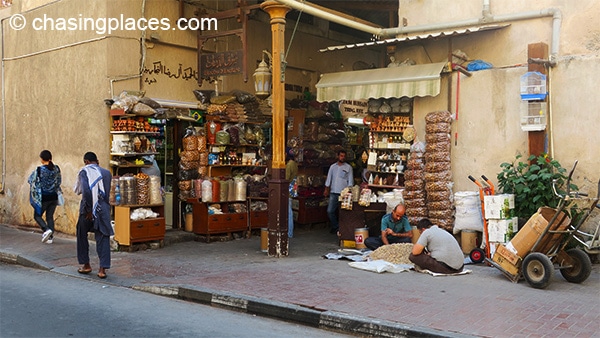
(386,186)
(157,133)
(132,154)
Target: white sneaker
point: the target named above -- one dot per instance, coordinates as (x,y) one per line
(46,235)
(49,241)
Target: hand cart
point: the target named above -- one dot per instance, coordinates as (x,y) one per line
(486,188)
(549,249)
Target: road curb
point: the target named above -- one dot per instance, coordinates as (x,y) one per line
(30,262)
(330,320)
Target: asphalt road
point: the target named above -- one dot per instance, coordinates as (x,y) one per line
(37,303)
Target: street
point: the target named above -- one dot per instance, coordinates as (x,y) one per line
(37,303)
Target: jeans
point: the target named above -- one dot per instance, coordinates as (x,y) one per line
(48,207)
(290,219)
(332,208)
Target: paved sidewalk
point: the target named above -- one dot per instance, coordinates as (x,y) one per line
(308,289)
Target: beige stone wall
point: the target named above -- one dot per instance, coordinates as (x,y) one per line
(55,84)
(489,103)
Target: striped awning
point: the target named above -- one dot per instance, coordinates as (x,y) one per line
(424,36)
(411,81)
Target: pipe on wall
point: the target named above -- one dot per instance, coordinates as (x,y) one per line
(487,18)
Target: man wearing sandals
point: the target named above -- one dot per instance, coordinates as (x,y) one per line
(93,184)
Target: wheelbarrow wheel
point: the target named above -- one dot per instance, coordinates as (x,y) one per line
(477,255)
(581,269)
(537,270)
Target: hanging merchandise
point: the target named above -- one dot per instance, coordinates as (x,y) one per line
(128,190)
(216,190)
(211,131)
(224,191)
(230,190)
(206,191)
(142,186)
(240,189)
(155,193)
(198,188)
(222,137)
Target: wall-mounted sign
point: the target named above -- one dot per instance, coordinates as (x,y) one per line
(353,107)
(225,63)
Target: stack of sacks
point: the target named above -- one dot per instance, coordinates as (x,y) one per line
(438,174)
(414,184)
(189,164)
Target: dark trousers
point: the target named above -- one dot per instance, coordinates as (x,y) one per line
(427,262)
(332,210)
(375,242)
(83,246)
(48,207)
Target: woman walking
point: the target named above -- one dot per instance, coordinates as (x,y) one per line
(44,184)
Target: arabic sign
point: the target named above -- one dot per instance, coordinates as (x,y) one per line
(225,63)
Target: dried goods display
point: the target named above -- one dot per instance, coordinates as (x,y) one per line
(396,253)
(438,175)
(414,188)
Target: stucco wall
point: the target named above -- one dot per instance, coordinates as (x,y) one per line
(489,103)
(55,84)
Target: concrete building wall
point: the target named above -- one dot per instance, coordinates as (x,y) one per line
(489,103)
(56,82)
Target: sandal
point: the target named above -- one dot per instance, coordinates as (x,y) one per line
(84,271)
(101,275)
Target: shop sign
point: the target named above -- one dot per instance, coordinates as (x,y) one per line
(353,107)
(224,63)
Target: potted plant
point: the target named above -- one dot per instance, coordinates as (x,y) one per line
(531,183)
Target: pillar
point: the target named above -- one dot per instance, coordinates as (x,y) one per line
(278,186)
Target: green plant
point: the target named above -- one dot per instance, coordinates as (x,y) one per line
(531,183)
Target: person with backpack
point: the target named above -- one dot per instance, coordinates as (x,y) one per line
(44,183)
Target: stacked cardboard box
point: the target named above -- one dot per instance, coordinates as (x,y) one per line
(499,212)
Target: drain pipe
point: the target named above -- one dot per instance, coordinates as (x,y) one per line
(306,7)
(487,18)
(3,113)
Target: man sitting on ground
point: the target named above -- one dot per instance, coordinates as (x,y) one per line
(436,250)
(395,228)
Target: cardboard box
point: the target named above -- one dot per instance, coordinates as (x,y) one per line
(502,230)
(525,239)
(499,206)
(507,260)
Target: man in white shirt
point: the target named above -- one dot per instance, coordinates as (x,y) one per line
(339,177)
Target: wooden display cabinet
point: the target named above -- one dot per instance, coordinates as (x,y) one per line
(128,231)
(309,210)
(257,219)
(226,223)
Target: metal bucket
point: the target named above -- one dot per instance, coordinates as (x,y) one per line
(360,234)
